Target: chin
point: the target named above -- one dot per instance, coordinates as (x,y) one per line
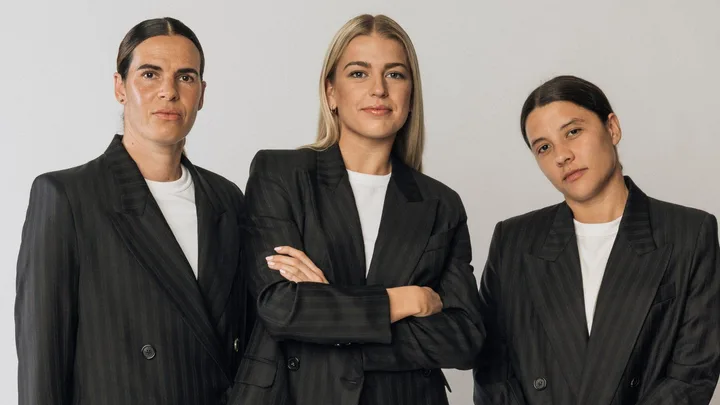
(168,137)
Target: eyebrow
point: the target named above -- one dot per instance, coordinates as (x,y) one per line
(159,69)
(571,122)
(367,65)
(532,145)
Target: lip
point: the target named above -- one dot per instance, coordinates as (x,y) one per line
(378,110)
(168,114)
(573,175)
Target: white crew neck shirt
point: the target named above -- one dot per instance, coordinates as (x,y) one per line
(369,191)
(176,200)
(595,241)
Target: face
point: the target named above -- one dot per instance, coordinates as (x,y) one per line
(573,148)
(162,92)
(371,88)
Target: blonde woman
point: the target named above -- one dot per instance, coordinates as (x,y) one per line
(360,263)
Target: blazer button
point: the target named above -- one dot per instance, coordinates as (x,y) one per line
(148,352)
(540,384)
(236,345)
(634,383)
(426,373)
(293,363)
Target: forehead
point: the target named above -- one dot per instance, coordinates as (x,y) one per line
(374,47)
(167,50)
(549,118)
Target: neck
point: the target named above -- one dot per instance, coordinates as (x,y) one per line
(156,162)
(364,155)
(606,206)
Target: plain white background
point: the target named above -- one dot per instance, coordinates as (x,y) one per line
(658,62)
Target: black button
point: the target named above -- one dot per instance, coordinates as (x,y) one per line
(148,352)
(236,345)
(634,383)
(540,384)
(426,373)
(293,363)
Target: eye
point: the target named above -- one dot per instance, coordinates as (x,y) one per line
(358,74)
(542,149)
(148,75)
(187,78)
(396,75)
(574,132)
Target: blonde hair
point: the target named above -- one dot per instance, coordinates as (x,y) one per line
(410,138)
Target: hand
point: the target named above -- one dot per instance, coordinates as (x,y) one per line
(413,301)
(430,302)
(295,266)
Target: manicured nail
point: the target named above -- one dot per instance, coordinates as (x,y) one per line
(269,258)
(271,264)
(277,249)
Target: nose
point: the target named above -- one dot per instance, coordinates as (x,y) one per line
(168,91)
(379,87)
(563,155)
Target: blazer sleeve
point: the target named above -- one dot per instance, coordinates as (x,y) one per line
(307,312)
(494,379)
(46,297)
(693,370)
(449,339)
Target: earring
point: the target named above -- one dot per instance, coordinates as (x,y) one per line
(334,110)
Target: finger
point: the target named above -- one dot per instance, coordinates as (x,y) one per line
(300,255)
(286,261)
(291,271)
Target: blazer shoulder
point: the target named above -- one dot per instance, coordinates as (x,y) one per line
(672,221)
(281,161)
(433,188)
(225,189)
(219,182)
(72,179)
(539,219)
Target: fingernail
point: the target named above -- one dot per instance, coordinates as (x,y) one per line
(271,264)
(277,249)
(268,258)
(282,271)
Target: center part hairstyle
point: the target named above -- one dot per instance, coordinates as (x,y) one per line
(410,138)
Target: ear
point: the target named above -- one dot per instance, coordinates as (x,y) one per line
(330,93)
(120,95)
(613,126)
(202,95)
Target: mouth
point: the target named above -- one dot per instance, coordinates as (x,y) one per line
(573,175)
(168,115)
(378,110)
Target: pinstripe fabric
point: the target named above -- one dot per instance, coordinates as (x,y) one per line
(333,344)
(100,276)
(655,335)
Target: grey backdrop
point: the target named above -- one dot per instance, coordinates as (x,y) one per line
(658,62)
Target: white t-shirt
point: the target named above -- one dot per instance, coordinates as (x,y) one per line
(369,191)
(595,241)
(177,203)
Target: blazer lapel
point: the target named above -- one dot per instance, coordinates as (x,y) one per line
(555,285)
(142,227)
(406,223)
(340,221)
(218,245)
(633,273)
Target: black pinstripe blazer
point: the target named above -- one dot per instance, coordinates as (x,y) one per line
(655,335)
(108,310)
(319,344)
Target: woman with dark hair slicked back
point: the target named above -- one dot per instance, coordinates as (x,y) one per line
(129,289)
(608,298)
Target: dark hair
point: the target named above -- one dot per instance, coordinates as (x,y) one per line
(566,88)
(153,28)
